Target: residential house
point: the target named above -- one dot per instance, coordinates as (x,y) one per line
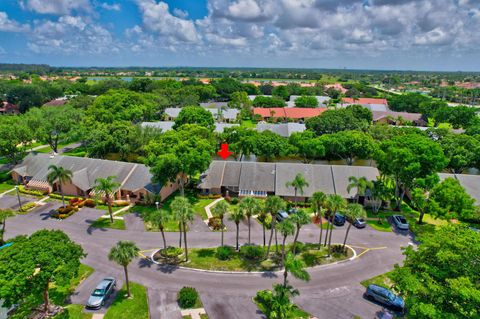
(262,179)
(336,86)
(7,108)
(57,102)
(293,113)
(220,115)
(168,125)
(135,179)
(398,118)
(282,129)
(369,103)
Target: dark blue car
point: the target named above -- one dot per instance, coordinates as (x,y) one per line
(339,220)
(385,297)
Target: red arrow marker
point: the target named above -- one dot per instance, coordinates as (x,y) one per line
(224,152)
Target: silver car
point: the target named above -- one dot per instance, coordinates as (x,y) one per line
(400,221)
(101,293)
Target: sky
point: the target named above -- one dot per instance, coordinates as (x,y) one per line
(356,34)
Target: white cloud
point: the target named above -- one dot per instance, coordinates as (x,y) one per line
(8,25)
(111,7)
(57,7)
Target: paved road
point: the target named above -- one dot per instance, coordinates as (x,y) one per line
(333,292)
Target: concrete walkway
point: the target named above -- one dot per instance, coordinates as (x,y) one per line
(194,313)
(118,212)
(209,206)
(6,192)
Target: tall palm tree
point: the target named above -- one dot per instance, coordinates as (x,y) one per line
(262,218)
(334,204)
(158,218)
(220,210)
(318,202)
(273,205)
(300,218)
(57,173)
(237,216)
(296,267)
(286,228)
(298,184)
(250,206)
(108,187)
(123,253)
(184,213)
(4,214)
(352,212)
(361,184)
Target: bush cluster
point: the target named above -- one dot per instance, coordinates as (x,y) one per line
(23,190)
(215,223)
(89,203)
(26,207)
(64,212)
(187,297)
(224,252)
(251,252)
(171,252)
(209,196)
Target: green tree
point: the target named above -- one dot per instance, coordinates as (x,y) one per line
(307,146)
(333,121)
(15,138)
(240,100)
(250,206)
(237,215)
(159,218)
(440,277)
(269,145)
(273,205)
(361,184)
(300,218)
(281,91)
(334,204)
(306,101)
(106,187)
(348,146)
(195,115)
(286,228)
(4,214)
(123,253)
(296,267)
(352,212)
(298,184)
(25,96)
(30,267)
(60,175)
(219,211)
(184,213)
(318,201)
(453,200)
(268,101)
(409,102)
(462,152)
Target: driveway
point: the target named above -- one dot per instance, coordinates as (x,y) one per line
(333,291)
(11,201)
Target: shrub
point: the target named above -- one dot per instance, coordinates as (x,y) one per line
(224,252)
(187,297)
(58,196)
(251,252)
(74,201)
(89,203)
(234,201)
(26,207)
(215,223)
(23,190)
(171,252)
(299,247)
(338,249)
(120,203)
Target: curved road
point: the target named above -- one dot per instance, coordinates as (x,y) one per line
(333,291)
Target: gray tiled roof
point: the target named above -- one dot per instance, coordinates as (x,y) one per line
(282,129)
(214,104)
(85,170)
(162,125)
(320,98)
(173,112)
(219,127)
(229,114)
(273,177)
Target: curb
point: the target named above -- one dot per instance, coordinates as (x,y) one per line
(256,272)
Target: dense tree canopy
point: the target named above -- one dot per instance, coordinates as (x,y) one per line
(307,146)
(332,121)
(14,132)
(348,146)
(409,102)
(268,101)
(306,101)
(462,151)
(195,115)
(453,201)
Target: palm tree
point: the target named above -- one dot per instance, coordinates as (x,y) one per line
(298,184)
(262,218)
(296,267)
(318,202)
(361,184)
(4,214)
(183,214)
(273,205)
(220,210)
(108,187)
(251,206)
(300,218)
(237,216)
(123,253)
(158,219)
(286,228)
(334,204)
(57,173)
(353,212)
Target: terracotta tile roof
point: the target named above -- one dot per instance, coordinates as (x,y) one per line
(289,112)
(363,101)
(6,107)
(57,102)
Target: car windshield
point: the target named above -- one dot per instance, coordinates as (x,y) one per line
(98,292)
(402,220)
(390,296)
(361,220)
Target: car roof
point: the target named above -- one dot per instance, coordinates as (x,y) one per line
(378,289)
(103,284)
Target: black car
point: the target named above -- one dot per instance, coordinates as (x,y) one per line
(360,223)
(339,219)
(385,297)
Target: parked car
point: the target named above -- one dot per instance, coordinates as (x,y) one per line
(472,228)
(101,293)
(400,222)
(281,215)
(385,296)
(292,211)
(360,223)
(339,219)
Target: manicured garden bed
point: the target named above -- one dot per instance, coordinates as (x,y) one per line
(105,223)
(296,313)
(207,258)
(128,308)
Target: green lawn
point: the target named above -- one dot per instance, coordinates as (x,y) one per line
(380,280)
(105,208)
(205,258)
(105,223)
(6,187)
(78,152)
(248,124)
(383,225)
(125,308)
(170,226)
(48,149)
(74,312)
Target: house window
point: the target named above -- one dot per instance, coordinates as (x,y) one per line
(247,192)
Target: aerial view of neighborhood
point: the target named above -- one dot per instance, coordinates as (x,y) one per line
(239,159)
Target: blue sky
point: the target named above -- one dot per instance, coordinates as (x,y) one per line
(368,34)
